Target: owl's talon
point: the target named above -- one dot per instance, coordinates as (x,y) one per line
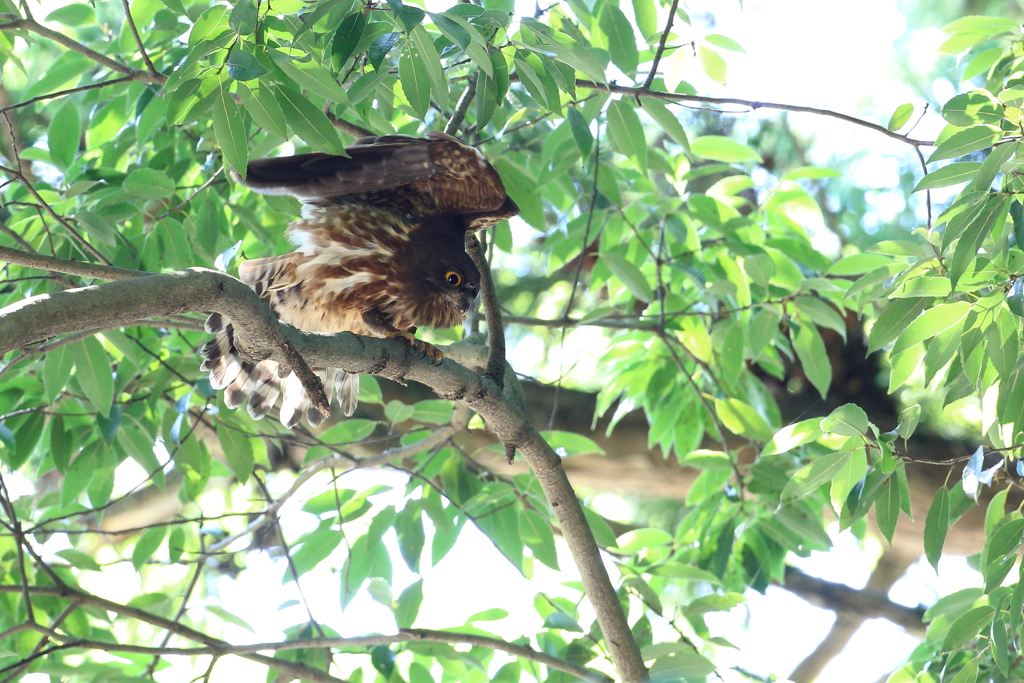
(421,348)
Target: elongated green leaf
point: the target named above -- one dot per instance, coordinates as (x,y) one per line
(740,418)
(230,131)
(887,508)
(646,18)
(935,527)
(793,435)
(660,112)
(57,370)
(64,134)
(432,63)
(810,349)
(92,367)
(714,66)
(719,148)
(147,544)
(308,122)
(237,450)
(811,476)
(263,109)
(630,276)
(993,213)
(415,82)
(967,626)
(953,174)
(627,135)
(896,317)
(315,79)
(149,183)
(930,323)
(621,41)
(972,139)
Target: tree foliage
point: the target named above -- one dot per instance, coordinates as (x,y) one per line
(701,283)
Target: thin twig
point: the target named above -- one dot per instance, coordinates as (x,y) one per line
(69,91)
(138,38)
(13,22)
(661,45)
(20,177)
(67,266)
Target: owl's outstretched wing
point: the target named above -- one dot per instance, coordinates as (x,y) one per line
(437,173)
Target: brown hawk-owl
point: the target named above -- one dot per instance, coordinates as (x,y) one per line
(379,250)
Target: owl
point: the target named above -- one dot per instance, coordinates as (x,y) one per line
(379,251)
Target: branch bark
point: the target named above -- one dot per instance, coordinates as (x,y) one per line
(259,335)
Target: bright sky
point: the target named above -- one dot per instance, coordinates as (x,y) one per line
(825,54)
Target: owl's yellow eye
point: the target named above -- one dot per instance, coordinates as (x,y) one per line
(453,278)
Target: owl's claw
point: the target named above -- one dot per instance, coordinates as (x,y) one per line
(424,349)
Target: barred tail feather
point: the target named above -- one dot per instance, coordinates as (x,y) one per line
(347,386)
(263,397)
(294,403)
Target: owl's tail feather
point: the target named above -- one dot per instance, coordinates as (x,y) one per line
(259,385)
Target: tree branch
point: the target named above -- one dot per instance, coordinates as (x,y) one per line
(13,21)
(661,45)
(138,38)
(69,91)
(295,669)
(259,336)
(67,266)
(452,127)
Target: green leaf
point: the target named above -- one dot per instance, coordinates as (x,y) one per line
(935,527)
(408,604)
(346,38)
(629,275)
(900,117)
(793,436)
(808,478)
(646,18)
(977,106)
(227,616)
(887,508)
(953,174)
(237,450)
(243,66)
(810,349)
(627,135)
(967,626)
(99,227)
(64,134)
(75,14)
(57,370)
(415,83)
(621,41)
(424,46)
(538,537)
(714,66)
(719,148)
(660,112)
(79,560)
(92,367)
(263,109)
(894,320)
(230,131)
(308,122)
(570,443)
(969,140)
(580,131)
(741,419)
(147,545)
(149,183)
(242,18)
(724,42)
(636,540)
(847,420)
(993,213)
(315,79)
(930,323)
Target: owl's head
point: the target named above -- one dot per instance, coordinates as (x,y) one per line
(456,280)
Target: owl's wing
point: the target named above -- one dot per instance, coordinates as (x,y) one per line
(454,176)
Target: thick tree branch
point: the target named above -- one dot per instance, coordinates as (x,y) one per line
(259,336)
(122,303)
(13,22)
